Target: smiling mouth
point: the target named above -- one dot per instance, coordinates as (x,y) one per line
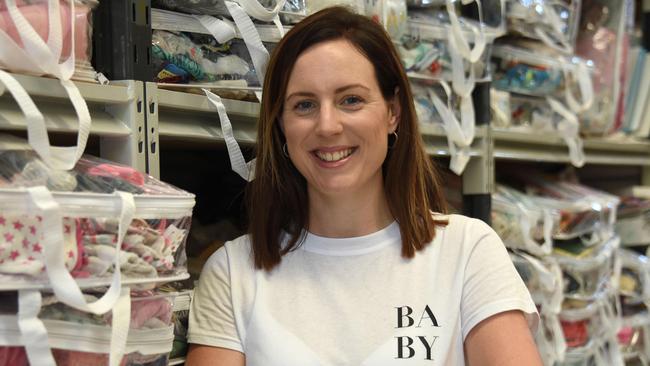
(334,156)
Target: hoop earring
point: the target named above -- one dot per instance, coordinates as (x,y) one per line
(284,150)
(390,146)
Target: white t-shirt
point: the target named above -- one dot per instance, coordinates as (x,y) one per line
(356,301)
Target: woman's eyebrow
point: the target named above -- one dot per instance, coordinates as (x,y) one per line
(351,86)
(336,91)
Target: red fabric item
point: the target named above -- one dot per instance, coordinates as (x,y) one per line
(127,173)
(13,356)
(575,333)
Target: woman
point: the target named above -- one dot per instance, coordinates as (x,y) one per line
(346,263)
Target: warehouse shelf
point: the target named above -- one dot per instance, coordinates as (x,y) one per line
(116,111)
(543,147)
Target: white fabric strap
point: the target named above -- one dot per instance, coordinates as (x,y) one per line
(63,284)
(548,228)
(221,31)
(463,84)
(552,42)
(32,329)
(568,128)
(556,39)
(457,33)
(62,158)
(259,54)
(237,161)
(257,11)
(47,55)
(580,73)
(527,220)
(459,144)
(557,335)
(120,322)
(40,57)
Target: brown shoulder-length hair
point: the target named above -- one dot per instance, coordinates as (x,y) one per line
(277,197)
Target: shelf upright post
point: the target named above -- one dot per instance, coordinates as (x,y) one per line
(478,177)
(152,133)
(122,39)
(129,150)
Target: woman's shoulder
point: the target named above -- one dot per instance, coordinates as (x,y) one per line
(461,223)
(236,255)
(460,229)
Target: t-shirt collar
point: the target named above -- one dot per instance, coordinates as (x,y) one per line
(352,246)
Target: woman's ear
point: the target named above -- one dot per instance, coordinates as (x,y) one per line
(394,110)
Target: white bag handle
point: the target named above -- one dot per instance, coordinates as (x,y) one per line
(221,31)
(237,161)
(527,219)
(46,54)
(569,131)
(457,34)
(257,11)
(259,54)
(40,57)
(459,144)
(32,329)
(120,323)
(61,158)
(580,72)
(63,284)
(555,38)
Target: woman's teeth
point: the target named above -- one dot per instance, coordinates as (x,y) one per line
(334,156)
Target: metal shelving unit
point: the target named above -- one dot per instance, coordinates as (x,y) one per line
(512,145)
(187,117)
(116,110)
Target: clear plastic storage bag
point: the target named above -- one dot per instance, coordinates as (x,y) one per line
(588,271)
(86,203)
(80,338)
(634,338)
(543,278)
(585,212)
(603,38)
(633,221)
(490,12)
(555,22)
(533,70)
(522,224)
(426,51)
(182,58)
(77,25)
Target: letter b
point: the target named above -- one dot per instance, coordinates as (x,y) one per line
(401,346)
(404,312)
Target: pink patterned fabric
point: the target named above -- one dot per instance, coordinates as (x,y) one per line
(21,248)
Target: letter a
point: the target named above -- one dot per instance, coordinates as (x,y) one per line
(429,315)
(401,316)
(401,346)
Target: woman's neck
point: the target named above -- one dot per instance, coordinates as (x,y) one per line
(350,215)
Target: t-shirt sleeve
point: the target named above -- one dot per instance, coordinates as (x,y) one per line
(491,282)
(211,318)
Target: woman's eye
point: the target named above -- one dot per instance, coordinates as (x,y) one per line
(303,106)
(352,101)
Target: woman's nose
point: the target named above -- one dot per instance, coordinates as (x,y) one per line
(329,122)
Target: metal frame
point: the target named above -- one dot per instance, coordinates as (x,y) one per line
(115,109)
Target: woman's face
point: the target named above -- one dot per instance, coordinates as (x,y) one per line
(335,119)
